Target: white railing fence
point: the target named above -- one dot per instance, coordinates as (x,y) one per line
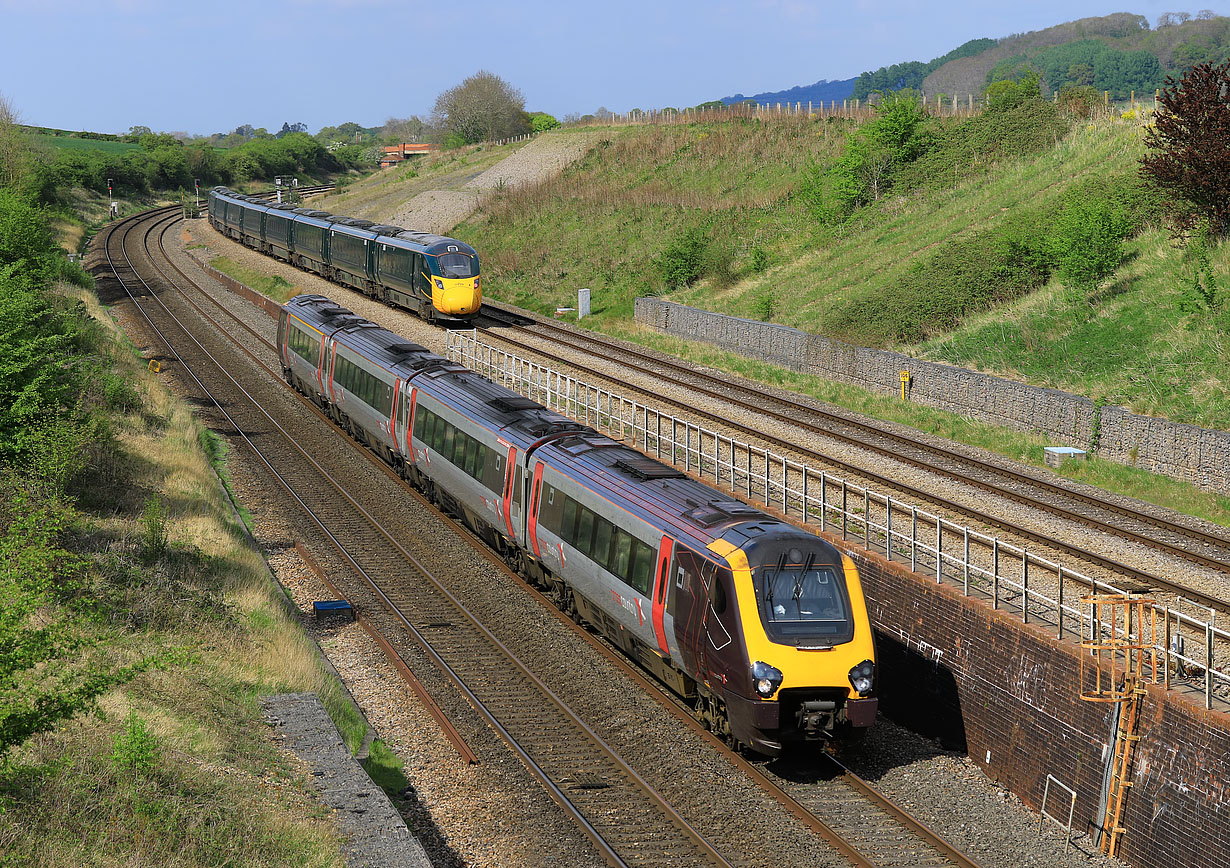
(1006,576)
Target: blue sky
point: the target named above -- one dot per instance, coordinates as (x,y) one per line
(205,67)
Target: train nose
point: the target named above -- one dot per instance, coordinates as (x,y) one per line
(459,297)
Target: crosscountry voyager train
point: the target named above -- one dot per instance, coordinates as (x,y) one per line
(760,625)
(433,276)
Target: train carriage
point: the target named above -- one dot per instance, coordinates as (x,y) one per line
(252,222)
(761,625)
(311,236)
(352,253)
(279,231)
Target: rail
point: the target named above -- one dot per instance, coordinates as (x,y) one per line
(984,566)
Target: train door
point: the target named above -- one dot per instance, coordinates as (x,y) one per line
(405,421)
(535,505)
(661,587)
(688,602)
(282,353)
(422,278)
(511,505)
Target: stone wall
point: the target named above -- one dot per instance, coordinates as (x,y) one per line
(1197,455)
(1009,695)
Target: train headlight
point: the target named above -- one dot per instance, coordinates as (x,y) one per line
(862,677)
(476,283)
(439,284)
(765,678)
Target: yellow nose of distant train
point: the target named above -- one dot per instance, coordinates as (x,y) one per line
(458,296)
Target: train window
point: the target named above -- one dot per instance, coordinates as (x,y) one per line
(435,432)
(642,568)
(550,509)
(567,529)
(493,470)
(585,532)
(602,543)
(473,458)
(446,442)
(622,560)
(518,485)
(421,429)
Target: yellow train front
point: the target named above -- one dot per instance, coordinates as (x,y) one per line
(806,668)
(434,276)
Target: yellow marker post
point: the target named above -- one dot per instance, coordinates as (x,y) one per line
(155,366)
(905,383)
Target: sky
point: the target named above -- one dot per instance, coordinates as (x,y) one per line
(206,67)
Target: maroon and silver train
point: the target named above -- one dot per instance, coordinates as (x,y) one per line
(761,625)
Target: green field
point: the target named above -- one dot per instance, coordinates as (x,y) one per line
(71,143)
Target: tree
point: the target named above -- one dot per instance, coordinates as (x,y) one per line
(484,107)
(13,149)
(411,129)
(1190,146)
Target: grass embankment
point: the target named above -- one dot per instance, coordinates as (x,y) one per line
(176,767)
(607,222)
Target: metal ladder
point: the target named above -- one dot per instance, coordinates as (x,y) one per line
(1121,777)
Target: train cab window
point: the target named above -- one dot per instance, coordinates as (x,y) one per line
(422,281)
(718,594)
(455,265)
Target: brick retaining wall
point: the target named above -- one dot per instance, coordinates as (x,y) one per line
(1008,694)
(1197,455)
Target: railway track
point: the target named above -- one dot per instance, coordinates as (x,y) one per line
(1208,550)
(585,782)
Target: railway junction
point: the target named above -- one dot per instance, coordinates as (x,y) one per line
(1007,618)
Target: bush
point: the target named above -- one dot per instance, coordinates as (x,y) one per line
(1080,100)
(765,306)
(1088,241)
(135,747)
(540,122)
(683,259)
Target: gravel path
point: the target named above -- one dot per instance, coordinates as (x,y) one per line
(946,790)
(376,834)
(541,159)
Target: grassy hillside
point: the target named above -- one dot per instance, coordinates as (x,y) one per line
(614,219)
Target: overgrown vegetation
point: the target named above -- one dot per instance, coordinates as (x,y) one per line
(138,627)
